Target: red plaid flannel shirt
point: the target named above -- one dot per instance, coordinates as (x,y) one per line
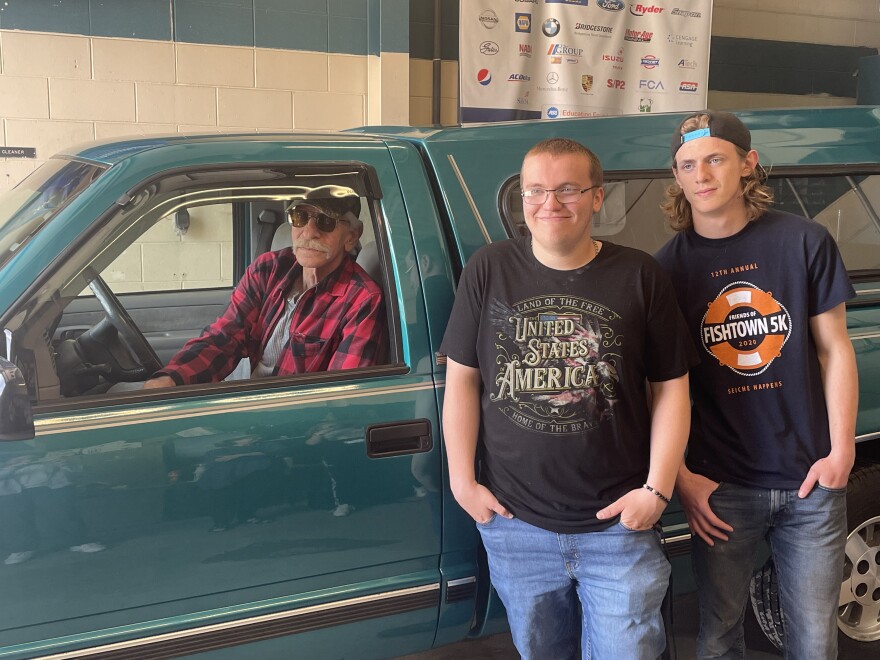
(337,324)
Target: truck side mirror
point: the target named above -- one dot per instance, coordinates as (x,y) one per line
(16,416)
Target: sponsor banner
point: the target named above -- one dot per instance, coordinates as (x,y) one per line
(553,59)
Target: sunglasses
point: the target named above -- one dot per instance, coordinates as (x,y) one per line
(299,217)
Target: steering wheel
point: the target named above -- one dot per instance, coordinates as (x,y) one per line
(123,323)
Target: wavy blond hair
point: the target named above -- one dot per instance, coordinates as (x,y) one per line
(757,195)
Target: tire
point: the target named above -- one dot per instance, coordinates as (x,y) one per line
(859,608)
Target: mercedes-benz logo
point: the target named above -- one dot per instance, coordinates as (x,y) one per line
(552,77)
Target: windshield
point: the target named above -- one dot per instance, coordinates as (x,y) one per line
(28,206)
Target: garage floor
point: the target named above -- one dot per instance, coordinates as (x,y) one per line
(499,647)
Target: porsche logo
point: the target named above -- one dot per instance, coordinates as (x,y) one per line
(587,82)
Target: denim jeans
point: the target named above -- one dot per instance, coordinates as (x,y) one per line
(613,581)
(806,537)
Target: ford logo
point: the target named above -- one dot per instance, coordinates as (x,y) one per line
(611,5)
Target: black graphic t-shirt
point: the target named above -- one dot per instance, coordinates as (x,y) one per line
(759,416)
(564,356)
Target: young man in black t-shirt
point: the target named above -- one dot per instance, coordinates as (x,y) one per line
(550,344)
(774,398)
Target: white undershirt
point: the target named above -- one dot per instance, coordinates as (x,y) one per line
(272,350)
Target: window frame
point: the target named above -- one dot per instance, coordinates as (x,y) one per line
(372,197)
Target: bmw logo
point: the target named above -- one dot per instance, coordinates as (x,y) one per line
(484,77)
(550,27)
(552,112)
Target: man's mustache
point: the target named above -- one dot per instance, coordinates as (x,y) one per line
(311,244)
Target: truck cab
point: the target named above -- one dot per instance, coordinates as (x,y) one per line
(310,515)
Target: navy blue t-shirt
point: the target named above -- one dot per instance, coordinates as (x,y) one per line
(759,417)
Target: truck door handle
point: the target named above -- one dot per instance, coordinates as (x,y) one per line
(412,436)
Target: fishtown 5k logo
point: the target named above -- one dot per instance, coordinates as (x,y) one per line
(745,328)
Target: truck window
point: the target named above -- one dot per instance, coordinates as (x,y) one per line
(154,273)
(848,205)
(630,214)
(33,202)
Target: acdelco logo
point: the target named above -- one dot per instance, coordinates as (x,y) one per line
(518,77)
(641,10)
(687,86)
(611,5)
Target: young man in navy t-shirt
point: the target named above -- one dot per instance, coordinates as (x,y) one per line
(774,397)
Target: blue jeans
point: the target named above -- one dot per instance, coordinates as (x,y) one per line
(806,537)
(613,580)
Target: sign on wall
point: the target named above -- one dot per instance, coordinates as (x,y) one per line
(549,59)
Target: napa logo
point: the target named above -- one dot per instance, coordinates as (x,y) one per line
(523,22)
(611,5)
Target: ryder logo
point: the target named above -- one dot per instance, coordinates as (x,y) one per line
(641,10)
(745,328)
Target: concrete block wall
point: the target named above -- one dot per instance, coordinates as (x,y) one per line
(57,90)
(163,260)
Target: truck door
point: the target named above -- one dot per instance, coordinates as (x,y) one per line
(299,515)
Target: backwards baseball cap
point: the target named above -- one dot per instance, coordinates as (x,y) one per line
(722,125)
(337,201)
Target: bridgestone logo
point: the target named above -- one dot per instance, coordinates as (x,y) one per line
(593,28)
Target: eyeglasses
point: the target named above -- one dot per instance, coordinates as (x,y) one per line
(564,195)
(299,217)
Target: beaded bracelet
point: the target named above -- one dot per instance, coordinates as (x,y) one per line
(656,492)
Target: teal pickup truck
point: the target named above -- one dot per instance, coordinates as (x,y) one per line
(310,516)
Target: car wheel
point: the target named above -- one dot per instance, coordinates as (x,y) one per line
(858,617)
